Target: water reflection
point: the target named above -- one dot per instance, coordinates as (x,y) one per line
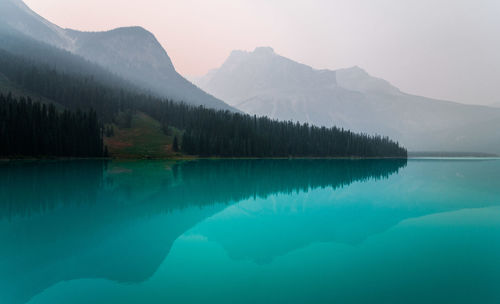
(34,187)
(28,188)
(264,229)
(118,220)
(64,221)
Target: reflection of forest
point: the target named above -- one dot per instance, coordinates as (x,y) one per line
(221,181)
(35,187)
(29,187)
(92,212)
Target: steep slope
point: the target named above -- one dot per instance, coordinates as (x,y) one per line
(264,83)
(6,87)
(136,55)
(16,16)
(131,53)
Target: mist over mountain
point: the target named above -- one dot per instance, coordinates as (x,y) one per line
(264,83)
(132,53)
(267,84)
(18,17)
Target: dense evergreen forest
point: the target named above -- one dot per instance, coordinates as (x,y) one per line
(30,128)
(207,132)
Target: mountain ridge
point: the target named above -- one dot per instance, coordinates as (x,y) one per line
(132,53)
(265,83)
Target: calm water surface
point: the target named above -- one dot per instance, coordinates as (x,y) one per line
(250,231)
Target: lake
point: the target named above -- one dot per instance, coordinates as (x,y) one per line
(250,231)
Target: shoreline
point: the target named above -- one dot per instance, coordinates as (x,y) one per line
(184,158)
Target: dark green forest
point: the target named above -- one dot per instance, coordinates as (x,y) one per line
(207,132)
(30,128)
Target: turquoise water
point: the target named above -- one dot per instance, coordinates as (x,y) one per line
(250,231)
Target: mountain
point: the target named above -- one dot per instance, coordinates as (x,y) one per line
(132,53)
(264,83)
(17,16)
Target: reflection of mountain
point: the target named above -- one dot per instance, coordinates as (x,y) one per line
(80,242)
(262,230)
(88,219)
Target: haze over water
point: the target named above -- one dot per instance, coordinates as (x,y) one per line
(250,231)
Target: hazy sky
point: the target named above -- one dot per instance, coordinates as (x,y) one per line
(447,49)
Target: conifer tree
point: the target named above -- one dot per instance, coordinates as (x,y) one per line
(175,145)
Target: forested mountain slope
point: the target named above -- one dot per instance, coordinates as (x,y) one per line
(206,132)
(131,53)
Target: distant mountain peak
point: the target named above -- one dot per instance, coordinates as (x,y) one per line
(357,79)
(265,83)
(264,50)
(244,73)
(358,69)
(138,30)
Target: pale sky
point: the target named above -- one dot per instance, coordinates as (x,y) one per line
(447,49)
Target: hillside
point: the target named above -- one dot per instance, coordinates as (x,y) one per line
(206,132)
(143,139)
(7,86)
(264,83)
(132,53)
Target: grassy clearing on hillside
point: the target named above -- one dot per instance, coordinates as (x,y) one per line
(144,139)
